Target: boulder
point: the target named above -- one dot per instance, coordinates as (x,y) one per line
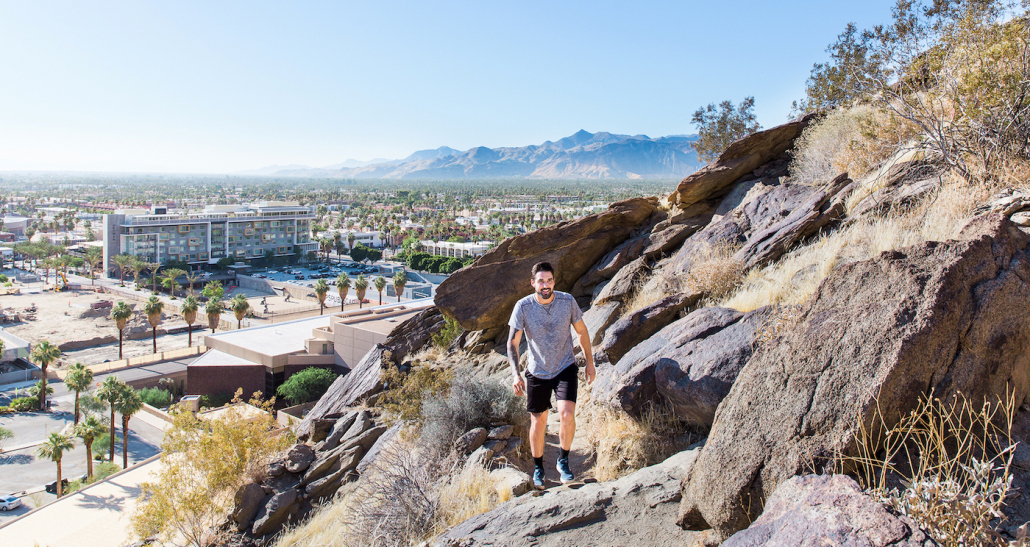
(326,486)
(501,432)
(382,444)
(329,462)
(320,429)
(630,384)
(819,510)
(695,375)
(363,380)
(471,440)
(340,428)
(875,337)
(482,295)
(480,458)
(249,499)
(511,479)
(740,158)
(641,324)
(624,283)
(646,246)
(825,207)
(896,196)
(597,513)
(599,317)
(299,457)
(365,440)
(511,446)
(274,514)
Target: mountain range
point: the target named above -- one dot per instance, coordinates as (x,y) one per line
(582,155)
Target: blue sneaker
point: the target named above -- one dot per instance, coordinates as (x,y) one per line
(538,479)
(564,471)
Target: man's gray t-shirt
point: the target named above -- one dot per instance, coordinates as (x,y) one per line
(548,332)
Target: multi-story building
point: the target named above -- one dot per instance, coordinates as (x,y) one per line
(456,250)
(239,232)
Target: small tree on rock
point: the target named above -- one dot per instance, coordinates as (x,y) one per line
(718,127)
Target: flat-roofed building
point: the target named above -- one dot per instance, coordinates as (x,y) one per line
(455,250)
(239,232)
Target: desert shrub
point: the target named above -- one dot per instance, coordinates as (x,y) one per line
(306,385)
(5,409)
(471,401)
(946,465)
(3,278)
(103,470)
(404,392)
(714,272)
(623,444)
(25,404)
(848,140)
(467,494)
(155,397)
(451,330)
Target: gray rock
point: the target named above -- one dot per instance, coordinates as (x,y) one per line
(327,462)
(819,510)
(512,479)
(599,317)
(612,511)
(471,440)
(340,428)
(877,334)
(299,457)
(496,445)
(512,445)
(320,429)
(361,423)
(275,469)
(696,376)
(624,283)
(642,324)
(896,196)
(249,499)
(630,384)
(382,443)
(501,432)
(273,515)
(365,440)
(480,457)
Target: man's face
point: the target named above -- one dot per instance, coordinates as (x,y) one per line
(543,284)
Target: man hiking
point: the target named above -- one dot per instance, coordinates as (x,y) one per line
(545,316)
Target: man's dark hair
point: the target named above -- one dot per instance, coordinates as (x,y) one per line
(541,267)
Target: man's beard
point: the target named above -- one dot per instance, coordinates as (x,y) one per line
(545,293)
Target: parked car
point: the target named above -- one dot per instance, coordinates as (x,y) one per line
(270,272)
(8,503)
(299,276)
(52,487)
(260,276)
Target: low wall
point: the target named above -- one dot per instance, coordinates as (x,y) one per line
(156,412)
(20,376)
(101,368)
(155,381)
(294,414)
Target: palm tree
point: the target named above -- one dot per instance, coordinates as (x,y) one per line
(342,286)
(136,267)
(380,283)
(110,391)
(189,308)
(239,307)
(94,257)
(79,378)
(122,261)
(120,314)
(350,240)
(53,449)
(399,280)
(214,311)
(129,403)
(321,289)
(169,280)
(153,267)
(191,277)
(153,308)
(360,286)
(43,355)
(88,430)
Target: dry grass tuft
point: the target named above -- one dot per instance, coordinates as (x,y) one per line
(714,271)
(467,494)
(623,444)
(946,465)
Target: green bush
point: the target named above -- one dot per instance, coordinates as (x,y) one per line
(156,397)
(103,470)
(100,446)
(25,404)
(451,330)
(3,278)
(216,400)
(306,385)
(5,410)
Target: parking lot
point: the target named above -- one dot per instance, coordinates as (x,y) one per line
(311,275)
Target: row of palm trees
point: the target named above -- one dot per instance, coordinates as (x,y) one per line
(343,285)
(119,396)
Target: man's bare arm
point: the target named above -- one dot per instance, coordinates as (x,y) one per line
(514,337)
(588,353)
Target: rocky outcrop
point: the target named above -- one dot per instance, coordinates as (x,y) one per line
(876,336)
(481,296)
(363,380)
(630,384)
(640,325)
(819,510)
(596,514)
(741,158)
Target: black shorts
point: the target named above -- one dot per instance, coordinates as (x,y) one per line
(538,391)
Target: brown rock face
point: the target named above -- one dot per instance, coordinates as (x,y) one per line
(482,295)
(820,510)
(739,159)
(638,326)
(879,333)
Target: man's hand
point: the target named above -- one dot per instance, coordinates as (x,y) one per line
(590,373)
(519,384)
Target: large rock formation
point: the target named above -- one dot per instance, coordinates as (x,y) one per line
(878,334)
(820,510)
(739,159)
(596,514)
(481,296)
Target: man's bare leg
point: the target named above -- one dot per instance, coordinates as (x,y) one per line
(567,414)
(537,433)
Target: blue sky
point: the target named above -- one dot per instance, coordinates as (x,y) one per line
(212,87)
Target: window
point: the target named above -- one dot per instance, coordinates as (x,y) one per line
(194,241)
(202,256)
(241,253)
(184,229)
(165,237)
